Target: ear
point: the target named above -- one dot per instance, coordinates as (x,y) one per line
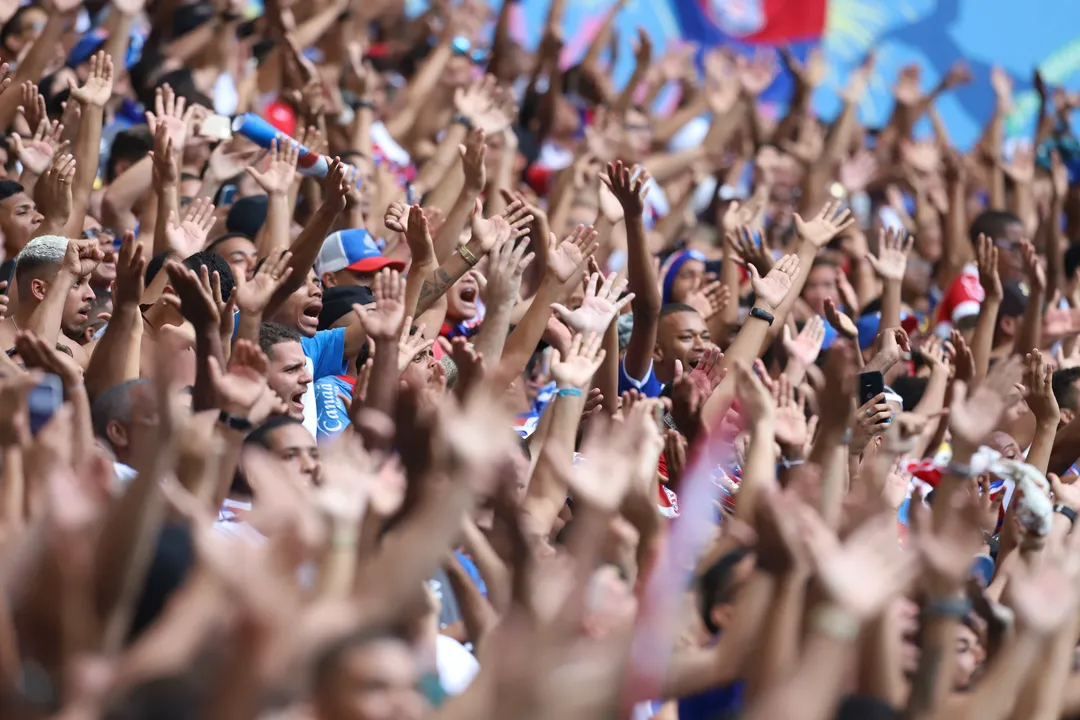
(1066,417)
(658,352)
(117,434)
(328,280)
(1008,325)
(721,615)
(38,288)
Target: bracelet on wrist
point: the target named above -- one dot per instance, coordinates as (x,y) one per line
(955,607)
(467,256)
(1068,512)
(835,622)
(462,120)
(568,392)
(235,422)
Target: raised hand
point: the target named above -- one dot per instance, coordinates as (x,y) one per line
(484,105)
(506,265)
(97,90)
(411,344)
(893,251)
(830,221)
(772,289)
(196,293)
(37,154)
(244,391)
(755,400)
(629,186)
(487,231)
(805,347)
(81,257)
(741,240)
(710,300)
(36,353)
(600,306)
(963,359)
(335,185)
(986,257)
(189,235)
(279,174)
(169,112)
(15,420)
(840,322)
(1040,393)
(473,161)
(871,419)
(567,258)
(417,233)
(864,573)
(972,419)
(53,190)
(165,171)
(384,323)
(254,295)
(1034,267)
(576,370)
(518,214)
(396,218)
(130,280)
(708,373)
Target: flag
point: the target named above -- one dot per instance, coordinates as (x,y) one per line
(748,24)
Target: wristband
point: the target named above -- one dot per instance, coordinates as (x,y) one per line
(235,423)
(464,121)
(1067,512)
(467,256)
(836,623)
(760,314)
(568,392)
(949,607)
(960,469)
(365,104)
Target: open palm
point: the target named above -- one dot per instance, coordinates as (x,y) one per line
(830,221)
(772,289)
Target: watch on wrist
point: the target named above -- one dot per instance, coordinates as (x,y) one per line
(235,422)
(1067,512)
(760,314)
(464,121)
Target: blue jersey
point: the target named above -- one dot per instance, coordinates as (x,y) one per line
(332,414)
(648,386)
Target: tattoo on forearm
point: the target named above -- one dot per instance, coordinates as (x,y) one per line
(431,290)
(923,687)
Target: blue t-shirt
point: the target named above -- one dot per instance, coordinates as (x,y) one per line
(712,704)
(326,350)
(472,570)
(648,386)
(332,415)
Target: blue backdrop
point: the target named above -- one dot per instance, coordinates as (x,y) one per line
(932,33)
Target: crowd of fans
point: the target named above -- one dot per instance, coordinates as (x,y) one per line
(551,399)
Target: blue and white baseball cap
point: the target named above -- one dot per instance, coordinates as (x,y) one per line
(354,250)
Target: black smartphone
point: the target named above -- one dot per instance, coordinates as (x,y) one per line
(44,400)
(871,384)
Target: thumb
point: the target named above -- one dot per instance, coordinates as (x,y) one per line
(755,277)
(678,369)
(1055,485)
(787,334)
(561,311)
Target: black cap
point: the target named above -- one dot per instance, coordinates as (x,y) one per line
(247,215)
(338,301)
(1014,300)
